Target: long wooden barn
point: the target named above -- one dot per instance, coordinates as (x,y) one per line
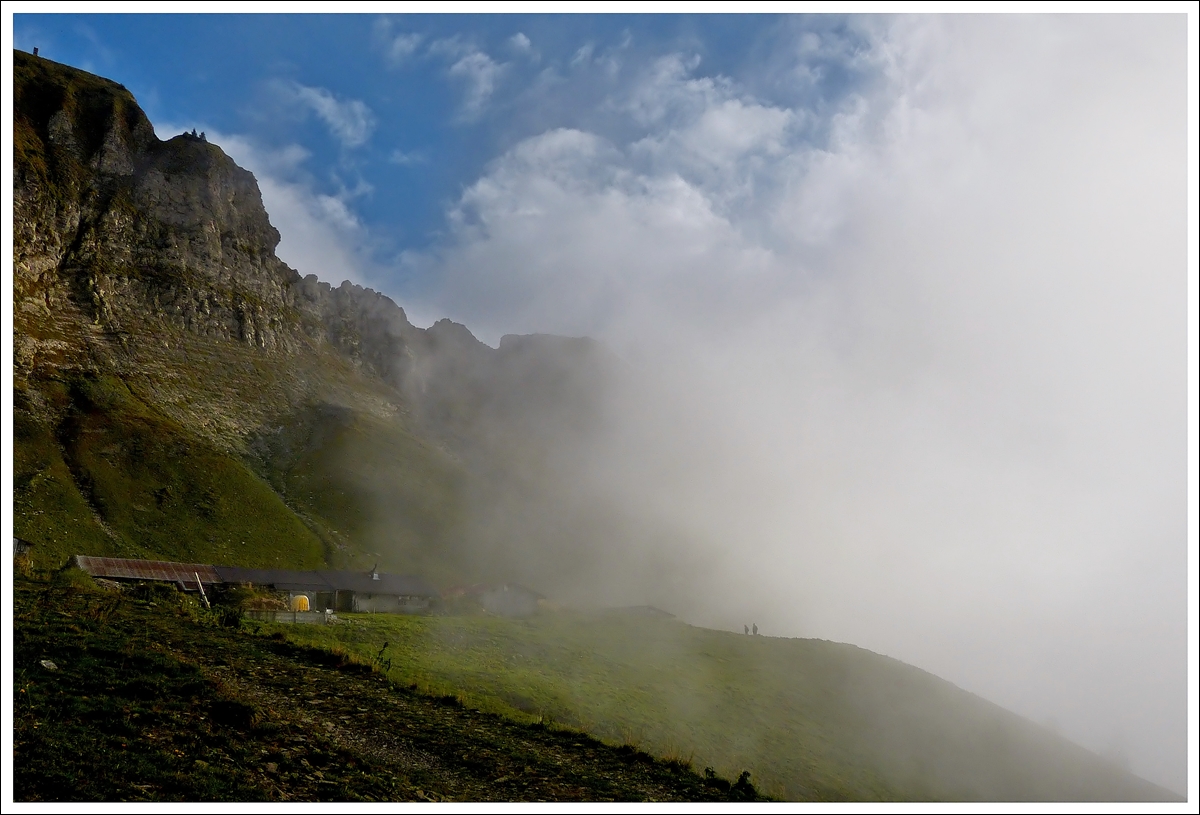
(371,591)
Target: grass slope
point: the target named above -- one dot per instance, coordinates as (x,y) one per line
(115,474)
(813,720)
(142,696)
(388,497)
(115,477)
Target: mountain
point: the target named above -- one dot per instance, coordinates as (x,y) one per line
(181,392)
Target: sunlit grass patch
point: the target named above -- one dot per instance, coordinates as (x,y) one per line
(809,719)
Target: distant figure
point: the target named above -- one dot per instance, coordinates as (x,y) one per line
(35,50)
(747,628)
(756,629)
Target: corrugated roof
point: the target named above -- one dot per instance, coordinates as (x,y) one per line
(289,580)
(129,569)
(363,583)
(281,579)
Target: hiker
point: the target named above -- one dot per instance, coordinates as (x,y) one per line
(756,629)
(747,628)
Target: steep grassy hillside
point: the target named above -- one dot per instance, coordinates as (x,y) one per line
(812,720)
(143,696)
(383,494)
(115,477)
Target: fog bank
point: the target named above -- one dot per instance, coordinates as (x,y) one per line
(909,375)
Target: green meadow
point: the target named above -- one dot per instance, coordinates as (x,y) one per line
(810,719)
(116,477)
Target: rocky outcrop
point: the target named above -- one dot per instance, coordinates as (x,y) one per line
(136,232)
(134,235)
(149,254)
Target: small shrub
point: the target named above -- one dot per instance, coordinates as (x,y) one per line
(713,780)
(153,592)
(631,738)
(248,597)
(743,790)
(227,616)
(234,714)
(23,564)
(76,580)
(675,758)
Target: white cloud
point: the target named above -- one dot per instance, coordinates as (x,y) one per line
(396,47)
(569,193)
(668,94)
(350,121)
(403,46)
(480,73)
(519,42)
(583,55)
(927,373)
(407,158)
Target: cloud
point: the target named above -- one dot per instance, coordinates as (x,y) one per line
(350,122)
(397,48)
(568,192)
(403,46)
(583,55)
(520,43)
(912,375)
(480,73)
(407,159)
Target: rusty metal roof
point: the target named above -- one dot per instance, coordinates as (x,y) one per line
(129,569)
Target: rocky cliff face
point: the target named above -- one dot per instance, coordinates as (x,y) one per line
(137,234)
(152,314)
(121,236)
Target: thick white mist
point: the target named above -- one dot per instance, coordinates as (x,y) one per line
(916,384)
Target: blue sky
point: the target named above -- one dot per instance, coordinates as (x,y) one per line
(913,283)
(398,114)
